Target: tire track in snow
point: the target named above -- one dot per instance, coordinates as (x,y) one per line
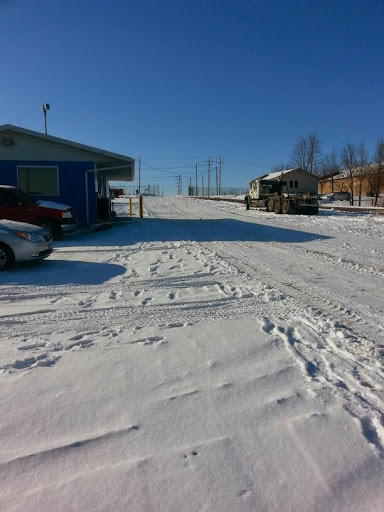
(265,265)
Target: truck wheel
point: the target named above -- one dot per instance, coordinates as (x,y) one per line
(247,205)
(285,208)
(6,257)
(50,226)
(277,207)
(270,205)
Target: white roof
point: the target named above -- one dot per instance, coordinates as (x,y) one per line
(276,175)
(32,133)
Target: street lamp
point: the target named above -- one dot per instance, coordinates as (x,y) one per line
(44,108)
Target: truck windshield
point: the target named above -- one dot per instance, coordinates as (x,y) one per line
(270,187)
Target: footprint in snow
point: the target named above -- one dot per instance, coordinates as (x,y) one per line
(150,340)
(175,324)
(30,362)
(32,346)
(267,325)
(86,303)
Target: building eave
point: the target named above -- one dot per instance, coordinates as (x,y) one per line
(59,140)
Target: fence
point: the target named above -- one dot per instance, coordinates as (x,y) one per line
(213,191)
(127,206)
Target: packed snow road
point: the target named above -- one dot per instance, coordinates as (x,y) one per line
(204,358)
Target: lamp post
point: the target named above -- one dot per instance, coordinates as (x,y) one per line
(44,108)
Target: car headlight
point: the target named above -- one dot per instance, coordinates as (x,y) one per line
(32,237)
(66,215)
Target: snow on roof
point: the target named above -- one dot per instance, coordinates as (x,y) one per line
(276,175)
(357,171)
(32,133)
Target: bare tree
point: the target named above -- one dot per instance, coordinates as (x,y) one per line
(330,163)
(314,151)
(375,178)
(299,153)
(349,160)
(279,168)
(306,152)
(363,168)
(329,167)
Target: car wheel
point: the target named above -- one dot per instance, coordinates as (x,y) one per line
(6,257)
(51,227)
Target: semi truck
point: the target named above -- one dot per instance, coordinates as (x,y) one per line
(269,194)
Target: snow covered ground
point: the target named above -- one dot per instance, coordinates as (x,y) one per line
(204,358)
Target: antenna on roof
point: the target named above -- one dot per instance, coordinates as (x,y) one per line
(44,108)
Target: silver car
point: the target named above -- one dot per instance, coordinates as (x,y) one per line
(337,196)
(22,242)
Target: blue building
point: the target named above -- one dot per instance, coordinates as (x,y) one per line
(60,170)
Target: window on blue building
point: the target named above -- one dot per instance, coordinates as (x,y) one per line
(39,180)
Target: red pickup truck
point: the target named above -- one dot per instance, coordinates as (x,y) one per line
(55,217)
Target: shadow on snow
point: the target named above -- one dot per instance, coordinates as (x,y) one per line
(73,272)
(197,230)
(60,272)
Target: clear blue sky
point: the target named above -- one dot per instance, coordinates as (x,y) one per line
(173,81)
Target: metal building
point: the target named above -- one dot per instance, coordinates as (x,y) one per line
(61,170)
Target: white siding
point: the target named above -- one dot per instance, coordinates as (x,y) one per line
(307,182)
(29,148)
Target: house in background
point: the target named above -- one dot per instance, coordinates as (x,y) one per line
(297,180)
(60,170)
(369,181)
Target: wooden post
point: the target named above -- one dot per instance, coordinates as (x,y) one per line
(130,206)
(141,207)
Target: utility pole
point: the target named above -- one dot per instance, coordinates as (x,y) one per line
(220,161)
(208,161)
(217,182)
(44,108)
(202,185)
(196,178)
(139,173)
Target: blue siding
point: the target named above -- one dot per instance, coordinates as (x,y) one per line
(71,184)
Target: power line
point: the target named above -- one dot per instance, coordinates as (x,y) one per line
(165,169)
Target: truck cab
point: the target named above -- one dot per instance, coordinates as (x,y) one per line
(269,194)
(260,190)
